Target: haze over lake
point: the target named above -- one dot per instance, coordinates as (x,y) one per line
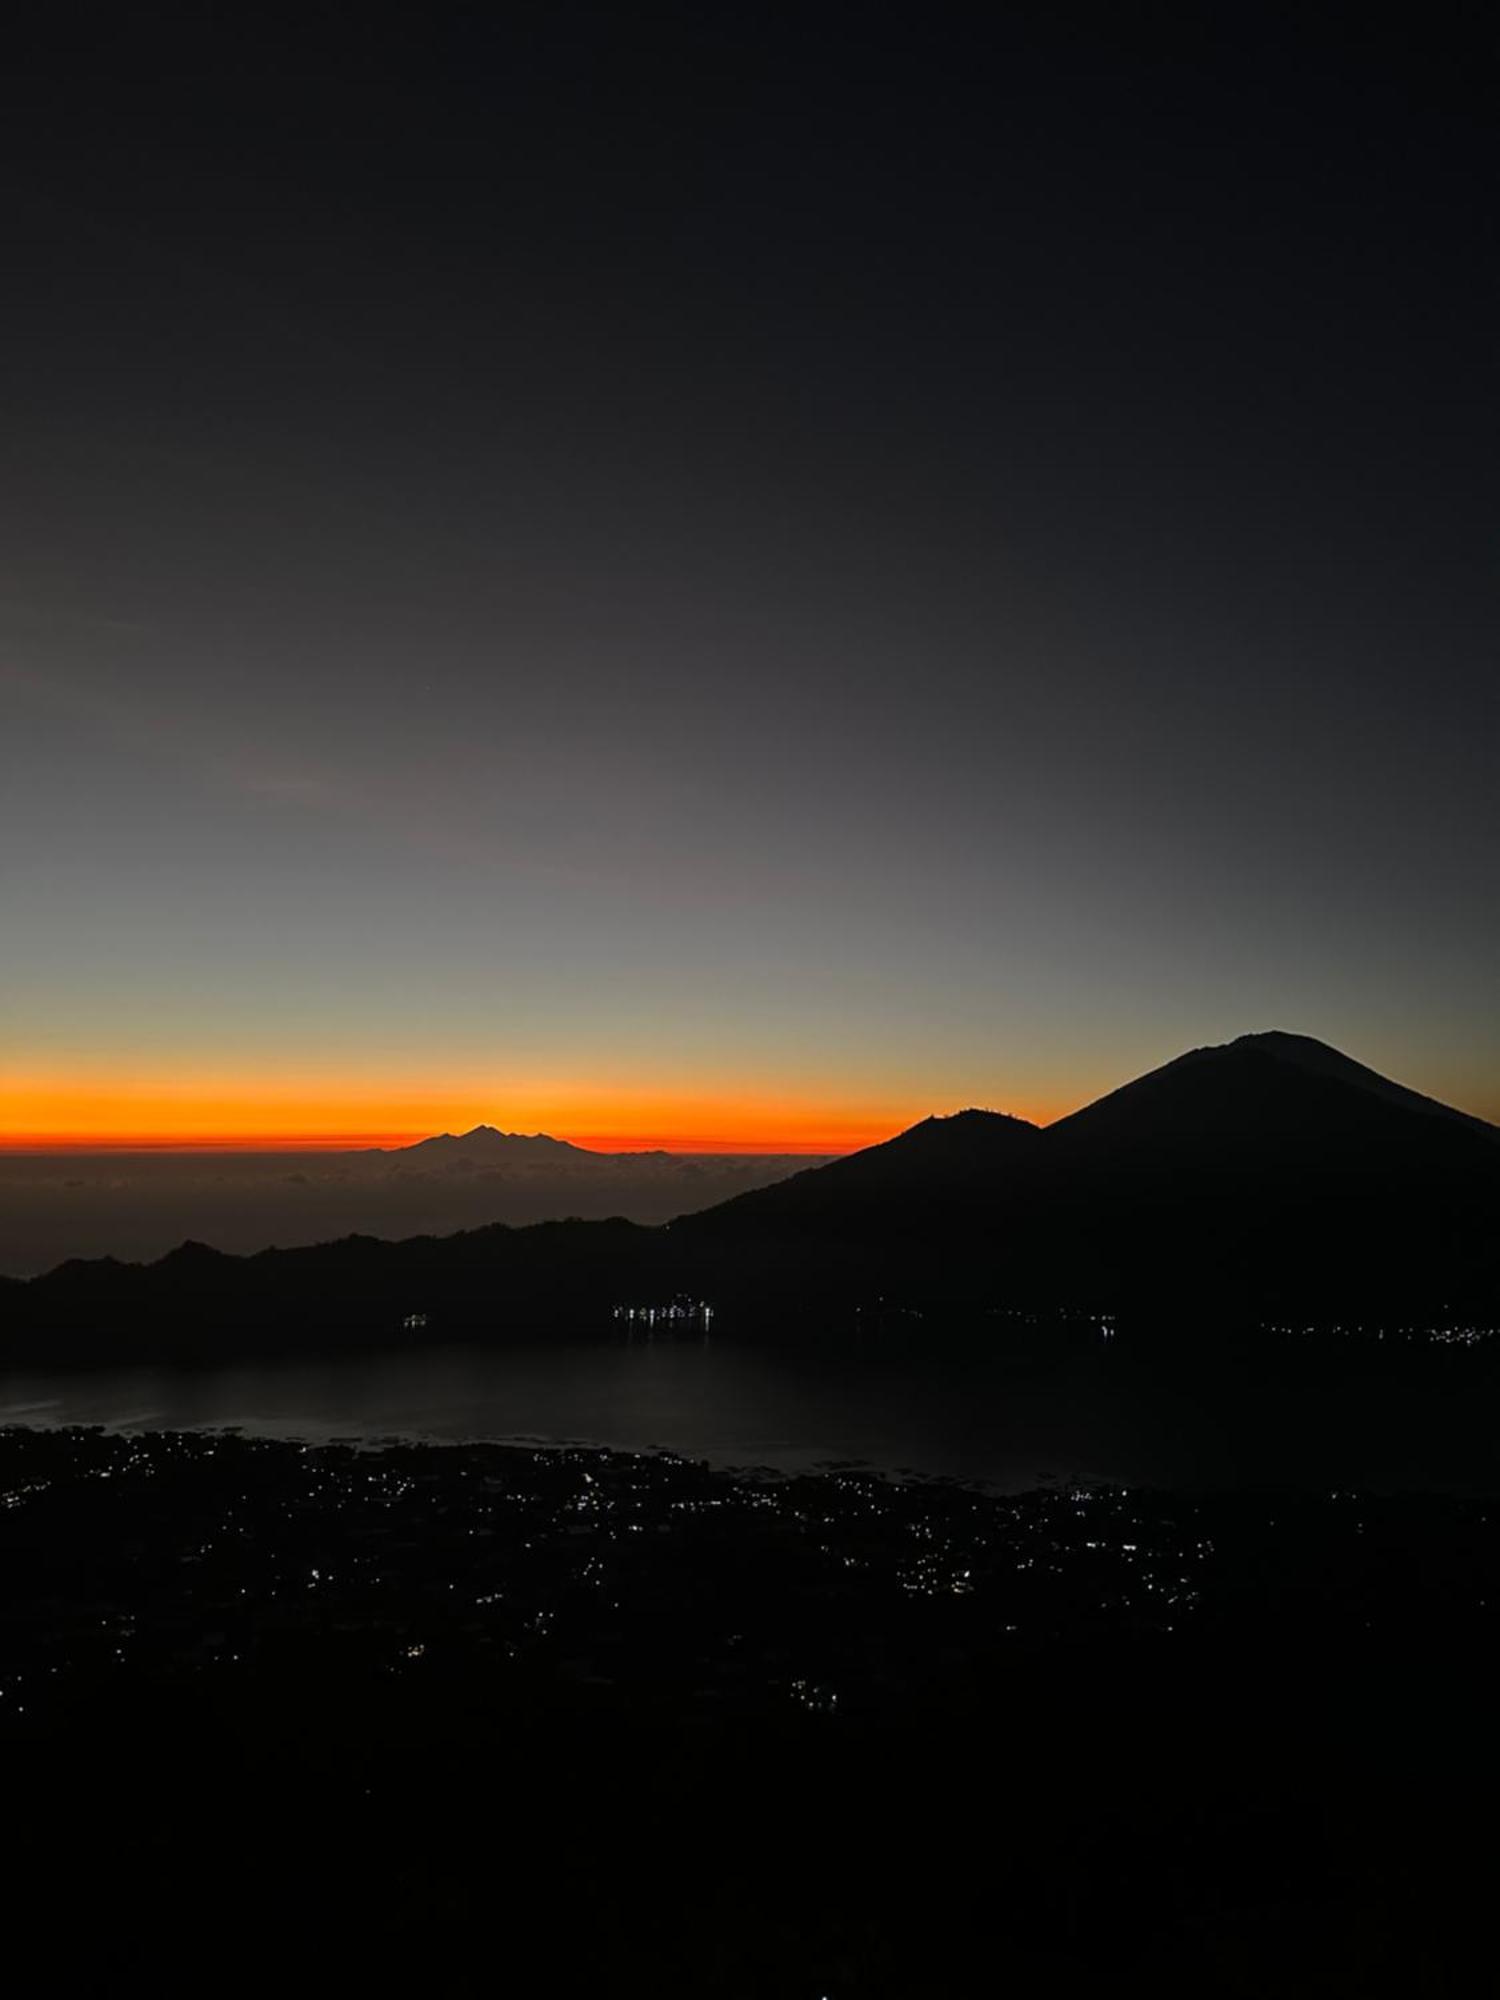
(139,1205)
(1094,1410)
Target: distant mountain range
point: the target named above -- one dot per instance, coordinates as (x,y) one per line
(137,1205)
(484,1144)
(1271,1174)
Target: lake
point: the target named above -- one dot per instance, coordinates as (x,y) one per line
(1094,1413)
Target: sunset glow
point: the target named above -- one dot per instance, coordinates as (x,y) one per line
(243,1114)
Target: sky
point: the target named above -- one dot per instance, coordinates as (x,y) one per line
(734,578)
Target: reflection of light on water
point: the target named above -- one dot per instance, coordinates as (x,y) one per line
(728,1406)
(1083,1415)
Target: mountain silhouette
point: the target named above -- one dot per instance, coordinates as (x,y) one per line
(486,1146)
(947,1164)
(1269,1175)
(1271,1169)
(920,1201)
(1276,1097)
(1276,1168)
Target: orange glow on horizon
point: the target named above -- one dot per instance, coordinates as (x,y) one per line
(176,1114)
(351,1142)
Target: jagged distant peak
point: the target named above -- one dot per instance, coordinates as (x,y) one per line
(480,1138)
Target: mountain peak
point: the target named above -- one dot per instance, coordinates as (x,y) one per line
(482,1141)
(1281,1040)
(1320,1059)
(1274,1081)
(954,1159)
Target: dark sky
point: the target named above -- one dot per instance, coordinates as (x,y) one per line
(713,573)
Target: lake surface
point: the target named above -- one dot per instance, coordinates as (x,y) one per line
(1093,1414)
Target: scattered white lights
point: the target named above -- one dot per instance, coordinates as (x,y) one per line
(1431,1333)
(680,1315)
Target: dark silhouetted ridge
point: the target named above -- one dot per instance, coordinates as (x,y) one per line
(935,1178)
(1271,1168)
(1272,1097)
(1270,1174)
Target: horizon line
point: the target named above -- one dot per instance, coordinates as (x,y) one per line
(628,1144)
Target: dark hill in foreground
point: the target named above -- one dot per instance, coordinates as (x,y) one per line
(1272,1175)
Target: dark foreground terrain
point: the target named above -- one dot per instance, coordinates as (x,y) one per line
(481,1719)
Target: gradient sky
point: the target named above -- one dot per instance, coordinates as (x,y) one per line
(724,577)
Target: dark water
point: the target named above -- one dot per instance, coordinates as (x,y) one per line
(1094,1413)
